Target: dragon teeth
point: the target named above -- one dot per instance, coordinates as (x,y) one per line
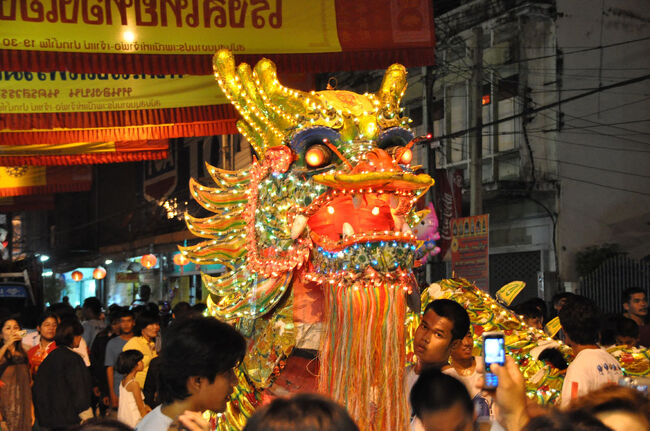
(356,201)
(298,226)
(348,230)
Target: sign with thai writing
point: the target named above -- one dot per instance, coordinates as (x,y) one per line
(30,92)
(469,249)
(169,26)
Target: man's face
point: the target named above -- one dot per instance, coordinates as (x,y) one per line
(433,343)
(126,324)
(454,418)
(47,329)
(637,305)
(214,396)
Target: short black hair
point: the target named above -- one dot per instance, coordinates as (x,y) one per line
(453,311)
(127,360)
(181,309)
(302,412)
(560,296)
(46,315)
(125,312)
(197,347)
(554,357)
(608,328)
(68,328)
(93,306)
(580,319)
(627,293)
(529,309)
(145,319)
(434,391)
(102,424)
(626,327)
(566,421)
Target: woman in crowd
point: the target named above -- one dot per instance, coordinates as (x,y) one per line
(62,384)
(47,329)
(15,390)
(147,327)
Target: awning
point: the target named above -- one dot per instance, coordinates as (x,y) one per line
(179,36)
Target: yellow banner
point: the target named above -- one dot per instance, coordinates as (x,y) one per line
(30,92)
(169,26)
(22,176)
(553,327)
(509,292)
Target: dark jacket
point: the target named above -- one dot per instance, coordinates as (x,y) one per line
(62,389)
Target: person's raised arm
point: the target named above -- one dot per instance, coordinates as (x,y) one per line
(510,395)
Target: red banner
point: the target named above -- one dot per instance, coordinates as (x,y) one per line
(83,153)
(470,250)
(449,204)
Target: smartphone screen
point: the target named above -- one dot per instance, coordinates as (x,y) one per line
(494,352)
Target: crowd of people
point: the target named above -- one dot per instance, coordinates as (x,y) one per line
(126,368)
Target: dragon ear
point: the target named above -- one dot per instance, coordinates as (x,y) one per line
(261,126)
(392,88)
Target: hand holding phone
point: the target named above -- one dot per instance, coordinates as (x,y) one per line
(494,352)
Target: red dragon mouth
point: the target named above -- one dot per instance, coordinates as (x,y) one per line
(350,214)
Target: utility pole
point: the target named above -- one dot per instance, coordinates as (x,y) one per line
(476,121)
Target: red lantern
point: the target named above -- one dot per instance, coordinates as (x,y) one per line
(180,259)
(77,275)
(99,273)
(148,261)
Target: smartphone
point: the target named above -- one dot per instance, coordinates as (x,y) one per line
(22,333)
(494,352)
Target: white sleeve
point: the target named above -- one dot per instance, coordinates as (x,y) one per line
(571,384)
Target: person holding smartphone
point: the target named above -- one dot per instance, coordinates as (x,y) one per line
(15,392)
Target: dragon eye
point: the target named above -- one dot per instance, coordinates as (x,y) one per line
(317,155)
(404,156)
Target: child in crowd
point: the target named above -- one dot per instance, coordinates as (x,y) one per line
(131,405)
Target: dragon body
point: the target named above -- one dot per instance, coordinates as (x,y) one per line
(319,237)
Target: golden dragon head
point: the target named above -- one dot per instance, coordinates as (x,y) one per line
(332,190)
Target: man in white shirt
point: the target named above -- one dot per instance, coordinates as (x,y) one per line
(592,367)
(443,325)
(197,370)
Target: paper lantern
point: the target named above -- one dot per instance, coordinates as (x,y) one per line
(148,261)
(180,259)
(77,275)
(99,273)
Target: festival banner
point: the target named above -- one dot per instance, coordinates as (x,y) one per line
(470,250)
(178,36)
(57,92)
(449,202)
(82,153)
(28,180)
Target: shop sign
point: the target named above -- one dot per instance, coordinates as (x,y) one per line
(470,249)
